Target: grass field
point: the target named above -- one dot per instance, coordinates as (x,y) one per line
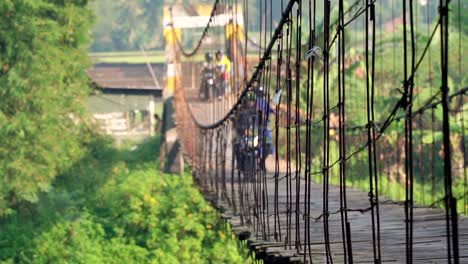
(137,57)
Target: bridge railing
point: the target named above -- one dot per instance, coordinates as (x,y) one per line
(351,95)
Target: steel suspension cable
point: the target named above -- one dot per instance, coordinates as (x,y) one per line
(203,36)
(326,131)
(450,201)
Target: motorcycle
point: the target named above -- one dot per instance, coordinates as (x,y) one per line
(253,141)
(246,156)
(208,85)
(247,145)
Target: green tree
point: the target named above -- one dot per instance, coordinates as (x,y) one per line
(43,85)
(106,13)
(128,25)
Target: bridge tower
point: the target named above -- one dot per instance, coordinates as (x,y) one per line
(171,159)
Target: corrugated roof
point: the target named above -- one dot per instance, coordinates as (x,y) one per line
(125,76)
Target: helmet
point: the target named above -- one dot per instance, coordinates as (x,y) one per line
(208,57)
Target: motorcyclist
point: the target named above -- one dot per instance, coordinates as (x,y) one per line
(254,141)
(223,65)
(266,140)
(245,145)
(208,77)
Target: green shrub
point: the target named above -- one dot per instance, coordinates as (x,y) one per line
(114,206)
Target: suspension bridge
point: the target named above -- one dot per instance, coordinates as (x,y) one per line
(338,135)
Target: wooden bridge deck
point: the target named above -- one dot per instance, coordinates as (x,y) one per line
(429,229)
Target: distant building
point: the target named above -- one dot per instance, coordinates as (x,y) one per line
(124,99)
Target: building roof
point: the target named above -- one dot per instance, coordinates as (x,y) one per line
(126,76)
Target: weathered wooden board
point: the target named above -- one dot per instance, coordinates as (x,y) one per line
(429,226)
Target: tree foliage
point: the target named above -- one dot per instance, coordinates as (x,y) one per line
(43,84)
(114,207)
(128,25)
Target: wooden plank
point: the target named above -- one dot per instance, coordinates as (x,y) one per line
(429,230)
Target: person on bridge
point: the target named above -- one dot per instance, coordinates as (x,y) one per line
(244,143)
(223,65)
(207,88)
(254,141)
(266,140)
